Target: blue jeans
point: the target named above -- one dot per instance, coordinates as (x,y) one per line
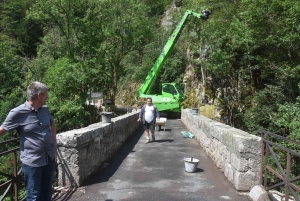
(38,181)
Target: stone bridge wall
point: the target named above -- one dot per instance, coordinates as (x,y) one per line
(234,151)
(81,152)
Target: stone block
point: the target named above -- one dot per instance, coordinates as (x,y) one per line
(205,128)
(68,175)
(206,142)
(124,119)
(82,155)
(64,154)
(74,138)
(66,139)
(244,181)
(74,159)
(220,156)
(254,164)
(97,131)
(226,138)
(228,156)
(117,121)
(240,164)
(108,128)
(97,139)
(258,193)
(229,172)
(245,143)
(217,129)
(83,135)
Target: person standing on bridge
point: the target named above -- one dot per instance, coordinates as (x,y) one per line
(148,115)
(37,131)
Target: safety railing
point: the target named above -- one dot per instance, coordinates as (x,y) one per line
(277,159)
(10,187)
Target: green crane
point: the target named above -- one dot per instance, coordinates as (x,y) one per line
(172,95)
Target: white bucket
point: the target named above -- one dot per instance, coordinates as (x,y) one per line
(191,164)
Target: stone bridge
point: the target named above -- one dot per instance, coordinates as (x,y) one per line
(83,151)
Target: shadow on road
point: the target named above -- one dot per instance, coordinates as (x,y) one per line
(116,160)
(164,140)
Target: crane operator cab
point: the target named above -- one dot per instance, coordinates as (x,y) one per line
(172,90)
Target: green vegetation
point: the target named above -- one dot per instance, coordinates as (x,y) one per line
(245,57)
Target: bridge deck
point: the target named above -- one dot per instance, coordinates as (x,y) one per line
(155,171)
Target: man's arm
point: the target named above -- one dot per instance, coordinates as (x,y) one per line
(141,113)
(53,133)
(2,131)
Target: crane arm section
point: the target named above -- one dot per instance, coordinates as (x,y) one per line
(147,85)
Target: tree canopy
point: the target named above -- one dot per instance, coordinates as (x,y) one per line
(244,57)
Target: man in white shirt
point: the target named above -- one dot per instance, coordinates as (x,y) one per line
(149,114)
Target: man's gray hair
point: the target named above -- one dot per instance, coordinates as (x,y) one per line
(34,88)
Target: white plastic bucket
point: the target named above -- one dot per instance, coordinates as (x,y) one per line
(191,164)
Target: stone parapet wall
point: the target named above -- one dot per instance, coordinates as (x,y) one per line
(235,152)
(81,152)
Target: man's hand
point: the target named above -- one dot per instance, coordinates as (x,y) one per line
(139,119)
(2,131)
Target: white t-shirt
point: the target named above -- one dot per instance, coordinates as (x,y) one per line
(149,113)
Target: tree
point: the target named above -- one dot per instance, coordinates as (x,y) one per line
(66,96)
(12,76)
(98,35)
(13,23)
(126,29)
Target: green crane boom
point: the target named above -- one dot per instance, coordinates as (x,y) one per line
(172,95)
